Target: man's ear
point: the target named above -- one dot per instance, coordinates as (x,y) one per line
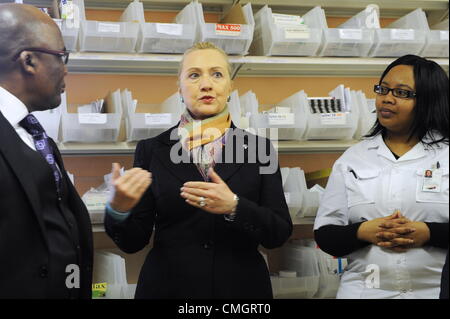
(28,62)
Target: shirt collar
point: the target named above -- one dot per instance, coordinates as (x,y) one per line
(12,108)
(418,151)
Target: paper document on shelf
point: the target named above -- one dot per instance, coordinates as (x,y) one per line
(87,108)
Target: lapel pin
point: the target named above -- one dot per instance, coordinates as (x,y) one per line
(245,146)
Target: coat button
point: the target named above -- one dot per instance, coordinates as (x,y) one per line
(43,271)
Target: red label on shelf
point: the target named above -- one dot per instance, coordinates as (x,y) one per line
(228,29)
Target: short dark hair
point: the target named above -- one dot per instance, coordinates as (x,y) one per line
(431,112)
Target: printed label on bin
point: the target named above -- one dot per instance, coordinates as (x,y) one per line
(444,35)
(109,27)
(288,197)
(169,28)
(298,32)
(96,202)
(281,118)
(228,29)
(333,118)
(350,34)
(158,118)
(286,19)
(92,118)
(402,34)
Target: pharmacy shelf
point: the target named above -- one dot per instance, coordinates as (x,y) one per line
(119,148)
(388,8)
(167,64)
(124,148)
(304,147)
(316,66)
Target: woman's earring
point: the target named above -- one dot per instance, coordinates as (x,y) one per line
(229,99)
(182,100)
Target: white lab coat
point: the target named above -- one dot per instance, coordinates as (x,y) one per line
(383,185)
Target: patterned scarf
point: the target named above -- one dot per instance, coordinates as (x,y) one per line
(204,138)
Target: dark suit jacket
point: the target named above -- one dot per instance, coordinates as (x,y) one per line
(23,241)
(197,254)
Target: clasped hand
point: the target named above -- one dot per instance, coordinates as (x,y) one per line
(394,232)
(214,197)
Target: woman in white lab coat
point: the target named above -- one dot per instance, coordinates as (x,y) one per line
(380,210)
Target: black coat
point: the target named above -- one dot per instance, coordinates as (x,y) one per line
(23,240)
(197,254)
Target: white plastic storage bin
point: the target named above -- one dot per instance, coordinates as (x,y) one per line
(300,256)
(93,127)
(144,125)
(108,36)
(233,35)
(95,201)
(285,121)
(292,190)
(367,115)
(284,35)
(293,288)
(329,118)
(155,37)
(345,40)
(406,35)
(51,119)
(329,276)
(69,31)
(111,269)
(234,107)
(437,41)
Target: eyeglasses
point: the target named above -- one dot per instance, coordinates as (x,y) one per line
(404,94)
(63,54)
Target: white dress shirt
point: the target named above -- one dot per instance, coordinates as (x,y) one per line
(14,111)
(367,182)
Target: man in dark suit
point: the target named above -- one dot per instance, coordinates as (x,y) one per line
(45,232)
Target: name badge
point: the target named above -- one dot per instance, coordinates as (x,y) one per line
(432,181)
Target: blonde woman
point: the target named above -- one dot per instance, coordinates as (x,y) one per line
(210,213)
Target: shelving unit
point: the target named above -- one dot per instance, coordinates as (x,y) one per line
(283,147)
(167,64)
(333,7)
